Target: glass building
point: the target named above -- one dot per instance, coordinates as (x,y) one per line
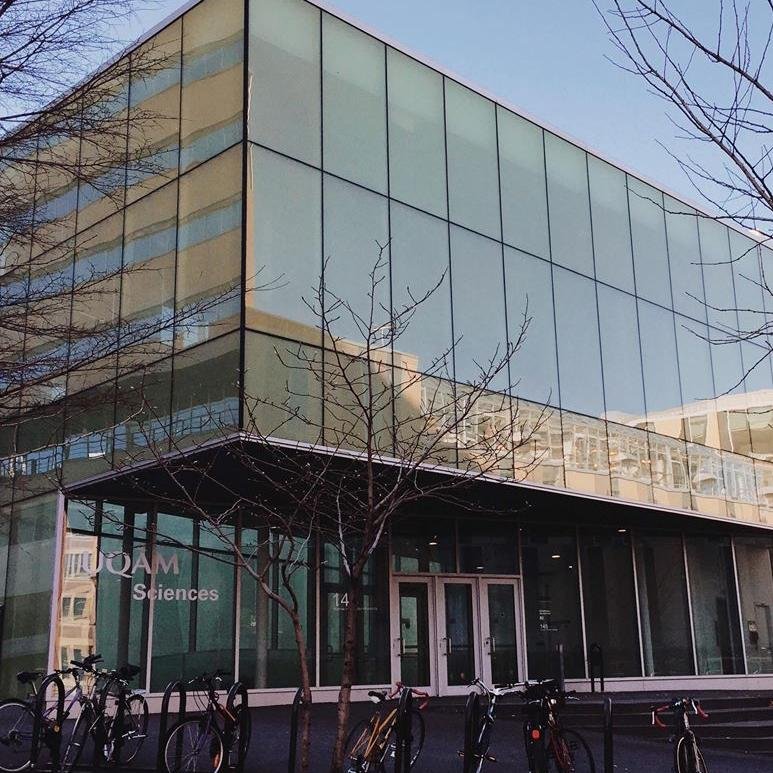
(290,137)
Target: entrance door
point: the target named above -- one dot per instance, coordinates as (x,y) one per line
(448,630)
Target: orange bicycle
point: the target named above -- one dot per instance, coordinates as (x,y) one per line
(373,741)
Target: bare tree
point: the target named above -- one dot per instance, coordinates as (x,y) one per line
(711,65)
(341,439)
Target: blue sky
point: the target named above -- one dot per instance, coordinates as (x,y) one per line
(544,56)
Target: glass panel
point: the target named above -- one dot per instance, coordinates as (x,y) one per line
(685,259)
(747,273)
(699,409)
(621,355)
(754,559)
(88,433)
(417,161)
(529,288)
(212,76)
(281,378)
(670,479)
(354,104)
(147,289)
(717,274)
(488,547)
(473,185)
(268,652)
(502,634)
(541,459)
(552,597)
(570,228)
(650,253)
(210,218)
(154,113)
(714,605)
(356,223)
(610,599)
(611,225)
(424,545)
(284,64)
(419,248)
(522,172)
(577,333)
(629,463)
(707,481)
(586,454)
(740,487)
(27,610)
(460,639)
(372,660)
(205,399)
(479,306)
(665,620)
(661,374)
(286,260)
(414,634)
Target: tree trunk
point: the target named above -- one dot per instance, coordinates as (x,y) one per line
(347,675)
(300,643)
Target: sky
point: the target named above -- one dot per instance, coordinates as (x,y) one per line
(548,58)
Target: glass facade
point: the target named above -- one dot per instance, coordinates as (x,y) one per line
(303,146)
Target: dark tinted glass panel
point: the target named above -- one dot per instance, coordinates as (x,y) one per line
(754,559)
(459,633)
(488,547)
(552,596)
(665,620)
(414,634)
(714,605)
(610,599)
(503,640)
(423,545)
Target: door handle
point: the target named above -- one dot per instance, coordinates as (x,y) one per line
(397,645)
(449,645)
(493,645)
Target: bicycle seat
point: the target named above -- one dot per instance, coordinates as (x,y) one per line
(377,696)
(25,677)
(128,671)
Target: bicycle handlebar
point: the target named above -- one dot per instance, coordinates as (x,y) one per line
(684,704)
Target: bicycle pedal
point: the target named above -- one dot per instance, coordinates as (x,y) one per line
(489,758)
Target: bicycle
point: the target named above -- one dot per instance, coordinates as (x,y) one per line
(688,757)
(124,730)
(479,724)
(200,743)
(17,718)
(372,741)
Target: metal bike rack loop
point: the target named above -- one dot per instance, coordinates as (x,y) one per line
(294,713)
(53,734)
(609,756)
(163,719)
(596,666)
(240,691)
(404,738)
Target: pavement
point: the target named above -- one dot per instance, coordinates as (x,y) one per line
(270,736)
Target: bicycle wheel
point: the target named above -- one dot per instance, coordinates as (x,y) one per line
(569,753)
(240,735)
(194,745)
(135,728)
(16,720)
(688,758)
(417,739)
(356,745)
(77,740)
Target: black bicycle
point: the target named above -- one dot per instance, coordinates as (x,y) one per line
(123,717)
(688,757)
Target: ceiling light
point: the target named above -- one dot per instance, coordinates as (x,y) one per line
(479,568)
(622,531)
(555,555)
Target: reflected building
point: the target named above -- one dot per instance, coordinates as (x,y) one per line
(635,510)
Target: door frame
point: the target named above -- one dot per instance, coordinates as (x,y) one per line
(436,627)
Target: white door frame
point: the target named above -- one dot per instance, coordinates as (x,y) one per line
(520,642)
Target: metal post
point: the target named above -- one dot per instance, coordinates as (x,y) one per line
(44,729)
(297,701)
(561,669)
(240,691)
(403,750)
(609,764)
(163,719)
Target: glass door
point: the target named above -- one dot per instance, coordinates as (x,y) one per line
(500,631)
(412,634)
(458,635)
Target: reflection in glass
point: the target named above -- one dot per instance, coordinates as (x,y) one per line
(670,479)
(685,259)
(754,562)
(650,253)
(665,620)
(714,605)
(577,333)
(717,274)
(552,597)
(473,184)
(522,178)
(740,487)
(629,462)
(707,480)
(414,633)
(424,545)
(417,161)
(488,547)
(539,454)
(354,104)
(284,63)
(610,600)
(586,454)
(570,226)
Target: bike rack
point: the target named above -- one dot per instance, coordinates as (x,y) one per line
(561,677)
(609,756)
(471,716)
(53,735)
(240,691)
(404,738)
(596,666)
(294,712)
(163,719)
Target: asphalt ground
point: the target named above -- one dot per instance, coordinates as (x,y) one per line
(444,732)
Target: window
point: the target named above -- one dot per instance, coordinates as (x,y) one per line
(650,253)
(754,559)
(424,545)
